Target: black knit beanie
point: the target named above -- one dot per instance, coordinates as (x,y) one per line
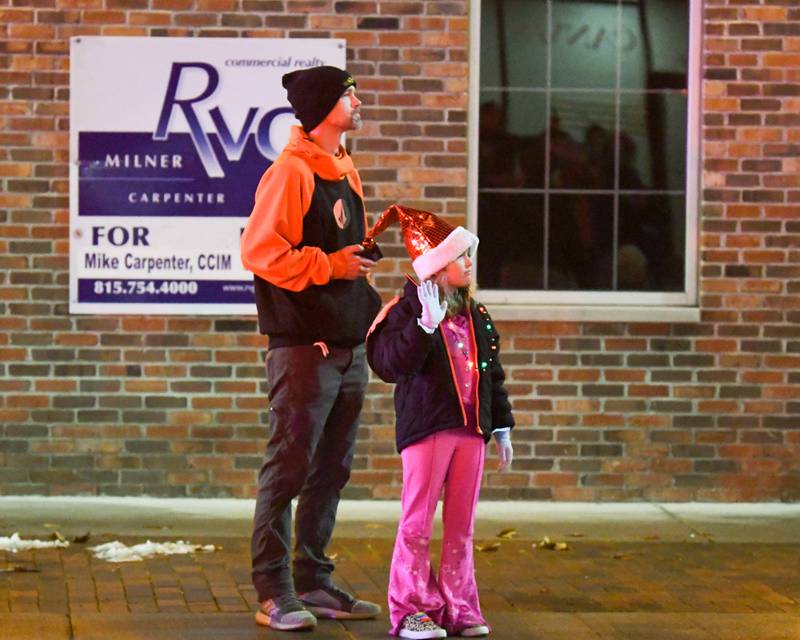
(313,92)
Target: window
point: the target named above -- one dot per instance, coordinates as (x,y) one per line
(584,136)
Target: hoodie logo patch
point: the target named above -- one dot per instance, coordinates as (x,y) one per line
(340,214)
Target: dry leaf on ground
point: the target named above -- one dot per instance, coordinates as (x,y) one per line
(551,545)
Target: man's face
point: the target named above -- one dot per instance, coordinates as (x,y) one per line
(346,115)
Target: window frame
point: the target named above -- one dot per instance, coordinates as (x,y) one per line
(587,304)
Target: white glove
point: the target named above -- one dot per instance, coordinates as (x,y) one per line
(505,452)
(433,311)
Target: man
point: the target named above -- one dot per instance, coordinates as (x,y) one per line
(314,302)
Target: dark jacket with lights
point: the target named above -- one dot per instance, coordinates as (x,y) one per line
(426,397)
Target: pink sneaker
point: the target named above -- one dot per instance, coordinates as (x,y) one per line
(474,631)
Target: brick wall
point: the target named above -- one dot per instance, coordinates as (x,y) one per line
(608,411)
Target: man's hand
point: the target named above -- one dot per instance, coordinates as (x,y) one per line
(347,265)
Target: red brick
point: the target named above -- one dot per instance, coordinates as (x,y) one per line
(717,406)
(764,14)
(746,285)
(781,60)
(146,386)
(624,375)
(150,18)
(540,375)
(123,31)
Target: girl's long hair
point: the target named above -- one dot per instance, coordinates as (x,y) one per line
(457,298)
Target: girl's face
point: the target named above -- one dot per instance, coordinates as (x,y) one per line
(459,271)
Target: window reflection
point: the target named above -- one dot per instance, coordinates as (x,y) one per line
(650,247)
(653,128)
(581,140)
(583,115)
(511,229)
(581,242)
(584,39)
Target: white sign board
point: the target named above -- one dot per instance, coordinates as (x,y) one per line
(168,140)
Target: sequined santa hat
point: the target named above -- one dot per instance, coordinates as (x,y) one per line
(431,242)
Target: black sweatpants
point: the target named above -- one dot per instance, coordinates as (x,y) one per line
(315,403)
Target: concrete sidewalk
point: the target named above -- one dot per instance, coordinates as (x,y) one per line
(633,571)
(674,522)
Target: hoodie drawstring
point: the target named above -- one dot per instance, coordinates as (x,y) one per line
(324,348)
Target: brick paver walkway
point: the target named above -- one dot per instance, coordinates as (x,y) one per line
(645,590)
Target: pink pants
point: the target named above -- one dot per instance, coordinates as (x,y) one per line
(453,459)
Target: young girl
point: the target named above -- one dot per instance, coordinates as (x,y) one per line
(441,348)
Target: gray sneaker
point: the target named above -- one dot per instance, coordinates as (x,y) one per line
(285,613)
(332,602)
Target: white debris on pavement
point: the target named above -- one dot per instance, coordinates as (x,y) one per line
(15,543)
(117,551)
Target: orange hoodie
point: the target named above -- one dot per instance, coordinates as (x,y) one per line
(269,243)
